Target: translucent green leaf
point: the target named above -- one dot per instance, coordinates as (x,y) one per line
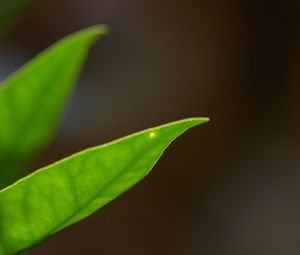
(32,99)
(10,11)
(68,191)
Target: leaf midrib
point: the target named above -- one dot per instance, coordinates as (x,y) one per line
(106,187)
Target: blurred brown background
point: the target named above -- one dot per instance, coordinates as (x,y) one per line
(230,187)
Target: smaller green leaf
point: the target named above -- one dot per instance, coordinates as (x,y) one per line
(33,98)
(68,191)
(10,11)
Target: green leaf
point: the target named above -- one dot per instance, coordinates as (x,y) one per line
(32,100)
(68,191)
(10,11)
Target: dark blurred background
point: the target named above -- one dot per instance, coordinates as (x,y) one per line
(229,187)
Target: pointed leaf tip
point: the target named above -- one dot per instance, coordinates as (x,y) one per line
(198,120)
(190,122)
(91,34)
(96,30)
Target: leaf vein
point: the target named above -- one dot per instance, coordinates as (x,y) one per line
(105,188)
(26,212)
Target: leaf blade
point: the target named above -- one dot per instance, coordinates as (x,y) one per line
(68,191)
(33,98)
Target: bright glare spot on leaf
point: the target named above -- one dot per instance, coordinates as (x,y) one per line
(152,135)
